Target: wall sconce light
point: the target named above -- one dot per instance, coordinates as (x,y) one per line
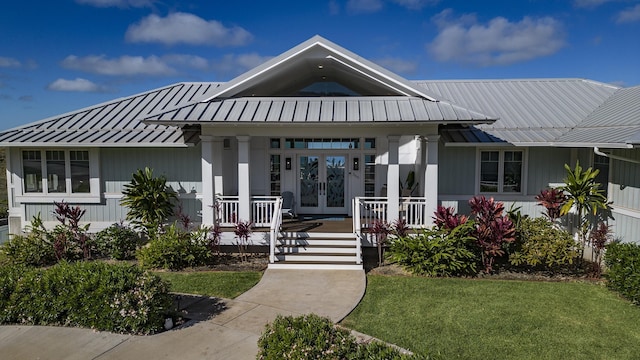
(287,163)
(356,163)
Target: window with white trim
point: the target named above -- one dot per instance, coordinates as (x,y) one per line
(56,172)
(501,171)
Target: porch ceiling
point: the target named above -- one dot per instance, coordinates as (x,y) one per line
(278,110)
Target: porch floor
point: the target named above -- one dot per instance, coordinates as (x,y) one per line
(316,224)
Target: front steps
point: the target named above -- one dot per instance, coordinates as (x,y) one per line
(302,250)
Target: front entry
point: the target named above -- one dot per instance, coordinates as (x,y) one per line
(322,184)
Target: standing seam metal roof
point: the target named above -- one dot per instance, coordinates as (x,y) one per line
(320,110)
(115,123)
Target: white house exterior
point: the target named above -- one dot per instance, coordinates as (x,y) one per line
(339,132)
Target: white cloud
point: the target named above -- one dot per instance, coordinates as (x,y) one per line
(79,85)
(499,42)
(232,64)
(124,65)
(362,6)
(188,29)
(398,65)
(189,61)
(117,3)
(415,4)
(9,62)
(631,14)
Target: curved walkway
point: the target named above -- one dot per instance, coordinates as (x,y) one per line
(232,333)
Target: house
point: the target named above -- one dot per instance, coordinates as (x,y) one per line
(339,132)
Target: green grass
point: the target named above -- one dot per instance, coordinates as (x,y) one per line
(491,319)
(224,284)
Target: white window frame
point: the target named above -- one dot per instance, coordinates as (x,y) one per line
(501,151)
(45,197)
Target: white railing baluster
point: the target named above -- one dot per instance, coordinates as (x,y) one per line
(274,228)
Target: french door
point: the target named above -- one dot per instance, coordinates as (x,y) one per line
(322,184)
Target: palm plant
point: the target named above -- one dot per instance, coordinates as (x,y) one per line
(585,194)
(149,199)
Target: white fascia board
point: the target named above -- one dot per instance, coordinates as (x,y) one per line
(239,82)
(42,145)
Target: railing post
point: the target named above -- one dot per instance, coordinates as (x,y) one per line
(357,229)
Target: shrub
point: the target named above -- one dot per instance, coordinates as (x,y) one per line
(107,297)
(175,249)
(445,218)
(552,200)
(32,248)
(623,274)
(493,230)
(314,337)
(117,242)
(540,244)
(437,252)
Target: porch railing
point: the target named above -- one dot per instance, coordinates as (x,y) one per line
(369,209)
(262,210)
(274,229)
(357,229)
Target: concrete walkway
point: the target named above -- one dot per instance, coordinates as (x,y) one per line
(232,332)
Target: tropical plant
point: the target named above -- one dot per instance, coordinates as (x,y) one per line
(437,251)
(69,233)
(599,238)
(552,200)
(149,199)
(585,194)
(380,230)
(175,249)
(492,229)
(400,228)
(446,218)
(32,248)
(243,231)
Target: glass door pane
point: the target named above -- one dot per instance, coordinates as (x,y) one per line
(309,181)
(335,180)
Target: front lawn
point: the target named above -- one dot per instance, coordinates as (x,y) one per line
(224,284)
(498,319)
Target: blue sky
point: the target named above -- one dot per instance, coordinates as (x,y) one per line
(59,56)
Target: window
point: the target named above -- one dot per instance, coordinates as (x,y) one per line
(501,171)
(56,172)
(274,171)
(369,175)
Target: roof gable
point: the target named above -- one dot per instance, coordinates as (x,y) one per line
(318,60)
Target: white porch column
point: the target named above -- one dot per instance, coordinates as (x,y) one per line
(218,179)
(393,179)
(208,191)
(244,184)
(431,176)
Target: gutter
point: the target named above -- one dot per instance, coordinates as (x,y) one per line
(597,151)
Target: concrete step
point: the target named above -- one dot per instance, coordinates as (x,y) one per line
(314,235)
(315,250)
(317,242)
(324,258)
(314,266)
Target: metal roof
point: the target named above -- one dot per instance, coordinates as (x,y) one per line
(259,110)
(617,120)
(115,123)
(531,111)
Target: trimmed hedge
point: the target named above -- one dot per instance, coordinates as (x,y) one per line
(175,249)
(109,297)
(623,274)
(117,242)
(314,337)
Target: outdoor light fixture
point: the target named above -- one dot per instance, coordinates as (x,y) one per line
(287,163)
(356,163)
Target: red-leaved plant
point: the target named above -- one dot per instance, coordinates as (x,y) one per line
(400,228)
(552,200)
(70,230)
(599,238)
(243,231)
(445,218)
(381,230)
(492,229)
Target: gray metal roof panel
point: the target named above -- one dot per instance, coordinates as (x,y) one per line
(315,109)
(103,124)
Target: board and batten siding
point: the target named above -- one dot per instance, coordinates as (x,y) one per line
(456,170)
(107,213)
(181,167)
(624,193)
(546,166)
